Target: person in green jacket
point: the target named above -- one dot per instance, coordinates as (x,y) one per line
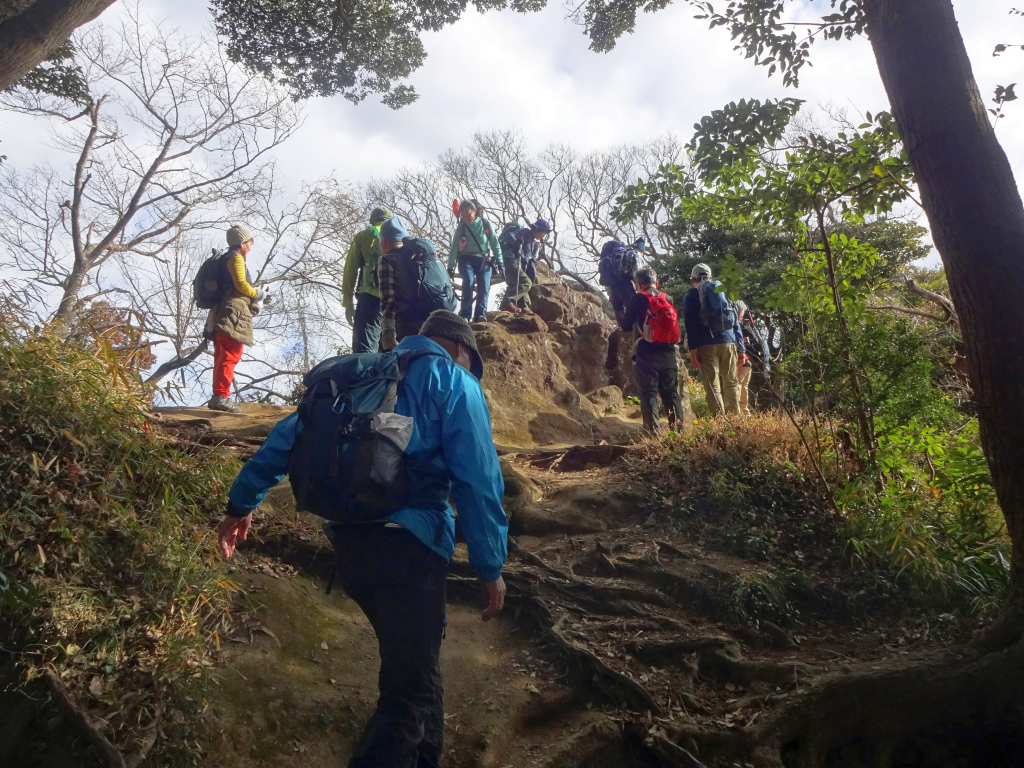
(473,238)
(362,260)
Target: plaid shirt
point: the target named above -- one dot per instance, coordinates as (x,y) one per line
(387,269)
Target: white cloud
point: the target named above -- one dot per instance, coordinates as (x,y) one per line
(535,72)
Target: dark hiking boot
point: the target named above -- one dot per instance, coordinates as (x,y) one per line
(218,403)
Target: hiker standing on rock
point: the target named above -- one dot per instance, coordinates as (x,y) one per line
(474,245)
(413,283)
(652,315)
(714,340)
(393,564)
(229,323)
(615,269)
(517,244)
(361,267)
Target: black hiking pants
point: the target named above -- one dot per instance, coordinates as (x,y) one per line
(400,585)
(619,296)
(409,322)
(657,373)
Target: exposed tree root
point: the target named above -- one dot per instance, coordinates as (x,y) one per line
(109,754)
(937,713)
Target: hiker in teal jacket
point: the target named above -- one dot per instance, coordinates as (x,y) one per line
(396,570)
(474,248)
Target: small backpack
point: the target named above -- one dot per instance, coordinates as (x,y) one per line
(662,322)
(506,239)
(211,281)
(426,286)
(611,266)
(348,463)
(716,311)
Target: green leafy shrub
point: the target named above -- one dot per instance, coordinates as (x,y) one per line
(935,520)
(107,562)
(931,534)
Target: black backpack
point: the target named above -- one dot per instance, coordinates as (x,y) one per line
(348,463)
(614,262)
(506,239)
(423,282)
(211,281)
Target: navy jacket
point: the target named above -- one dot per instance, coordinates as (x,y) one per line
(519,245)
(699,335)
(633,319)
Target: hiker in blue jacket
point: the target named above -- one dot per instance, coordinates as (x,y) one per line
(396,569)
(717,356)
(517,251)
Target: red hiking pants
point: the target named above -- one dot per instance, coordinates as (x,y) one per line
(226,354)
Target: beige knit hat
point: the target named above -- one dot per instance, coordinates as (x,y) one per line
(238,234)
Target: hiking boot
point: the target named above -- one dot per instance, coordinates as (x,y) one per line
(510,307)
(218,403)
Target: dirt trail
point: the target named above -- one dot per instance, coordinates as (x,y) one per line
(623,642)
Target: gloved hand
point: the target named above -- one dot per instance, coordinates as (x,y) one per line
(451,273)
(350,315)
(267,299)
(388,339)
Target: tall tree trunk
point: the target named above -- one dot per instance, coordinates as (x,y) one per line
(976,217)
(28,36)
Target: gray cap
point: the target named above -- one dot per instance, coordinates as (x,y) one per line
(238,234)
(700,269)
(448,325)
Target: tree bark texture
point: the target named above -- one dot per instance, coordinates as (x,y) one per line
(35,29)
(976,217)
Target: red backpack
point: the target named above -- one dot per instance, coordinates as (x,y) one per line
(662,323)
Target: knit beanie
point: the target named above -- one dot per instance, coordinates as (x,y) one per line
(379,216)
(640,245)
(541,225)
(238,234)
(448,325)
(393,229)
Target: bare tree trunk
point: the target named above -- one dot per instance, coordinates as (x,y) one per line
(976,217)
(178,361)
(28,37)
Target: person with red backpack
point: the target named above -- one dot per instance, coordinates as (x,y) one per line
(653,315)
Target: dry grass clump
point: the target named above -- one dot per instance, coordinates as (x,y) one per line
(746,484)
(107,570)
(750,486)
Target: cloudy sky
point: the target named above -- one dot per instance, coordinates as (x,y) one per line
(534,72)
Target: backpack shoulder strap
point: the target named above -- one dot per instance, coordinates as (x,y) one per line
(473,235)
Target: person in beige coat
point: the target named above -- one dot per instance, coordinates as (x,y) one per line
(229,324)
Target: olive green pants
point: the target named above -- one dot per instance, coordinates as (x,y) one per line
(719,375)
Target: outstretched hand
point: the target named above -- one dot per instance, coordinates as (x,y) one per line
(494,598)
(231,529)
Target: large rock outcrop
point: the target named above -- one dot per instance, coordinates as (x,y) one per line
(549,377)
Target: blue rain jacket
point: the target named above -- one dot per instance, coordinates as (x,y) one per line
(452,424)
